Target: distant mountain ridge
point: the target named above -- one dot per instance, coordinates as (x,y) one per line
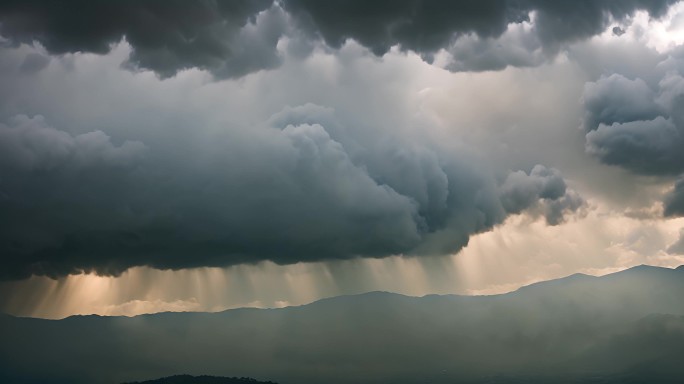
(626,327)
(188,379)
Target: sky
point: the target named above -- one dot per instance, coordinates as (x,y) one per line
(199,156)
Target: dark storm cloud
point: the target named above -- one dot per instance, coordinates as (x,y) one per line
(617,99)
(421,26)
(640,127)
(166,36)
(674,201)
(632,126)
(646,147)
(53,182)
(302,187)
(426,27)
(226,39)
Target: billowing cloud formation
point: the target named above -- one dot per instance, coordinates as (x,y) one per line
(220,36)
(616,99)
(674,201)
(421,26)
(303,186)
(54,183)
(470,31)
(640,126)
(634,127)
(519,46)
(544,188)
(30,145)
(231,39)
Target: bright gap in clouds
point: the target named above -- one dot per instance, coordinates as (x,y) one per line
(664,34)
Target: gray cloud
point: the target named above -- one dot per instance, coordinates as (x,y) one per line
(517,47)
(632,126)
(222,37)
(520,190)
(30,145)
(470,31)
(34,62)
(421,26)
(55,183)
(640,127)
(674,201)
(544,189)
(232,39)
(617,99)
(228,176)
(646,147)
(301,187)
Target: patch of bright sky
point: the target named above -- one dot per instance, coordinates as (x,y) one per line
(661,34)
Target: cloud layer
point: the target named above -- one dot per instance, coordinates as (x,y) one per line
(544,189)
(232,39)
(222,37)
(301,187)
(634,127)
(160,165)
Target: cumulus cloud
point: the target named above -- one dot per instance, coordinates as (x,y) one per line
(674,201)
(302,186)
(640,127)
(519,46)
(31,145)
(232,39)
(544,189)
(636,127)
(617,99)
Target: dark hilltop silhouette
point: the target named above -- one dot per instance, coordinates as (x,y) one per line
(188,379)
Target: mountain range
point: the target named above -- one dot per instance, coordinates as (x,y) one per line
(626,327)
